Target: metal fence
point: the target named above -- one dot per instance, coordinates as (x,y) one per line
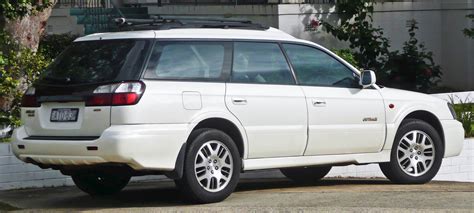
(84,3)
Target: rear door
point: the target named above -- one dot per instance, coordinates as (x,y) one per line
(64,101)
(262,94)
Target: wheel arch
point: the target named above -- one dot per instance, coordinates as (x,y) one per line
(429,118)
(226,123)
(420,114)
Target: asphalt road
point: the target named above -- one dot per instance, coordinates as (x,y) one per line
(258,195)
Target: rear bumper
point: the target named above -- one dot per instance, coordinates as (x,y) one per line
(453,137)
(142,147)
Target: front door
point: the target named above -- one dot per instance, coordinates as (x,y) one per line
(343,118)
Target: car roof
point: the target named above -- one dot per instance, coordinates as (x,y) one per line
(195,33)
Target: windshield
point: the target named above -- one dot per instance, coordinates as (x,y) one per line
(90,62)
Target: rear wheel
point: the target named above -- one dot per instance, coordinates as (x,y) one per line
(416,155)
(211,169)
(306,174)
(100,184)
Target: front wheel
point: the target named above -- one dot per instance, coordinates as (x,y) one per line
(211,168)
(100,184)
(416,154)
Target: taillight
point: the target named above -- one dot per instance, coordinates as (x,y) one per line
(29,98)
(126,93)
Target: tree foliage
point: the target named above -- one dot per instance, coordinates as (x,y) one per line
(347,55)
(412,68)
(52,45)
(369,43)
(15,9)
(469,32)
(18,66)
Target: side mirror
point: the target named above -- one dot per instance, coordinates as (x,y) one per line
(367,78)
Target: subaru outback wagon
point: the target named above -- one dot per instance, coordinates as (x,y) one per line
(203,104)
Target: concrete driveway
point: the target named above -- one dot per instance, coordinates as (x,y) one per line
(257,195)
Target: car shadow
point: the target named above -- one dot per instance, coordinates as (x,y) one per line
(165,193)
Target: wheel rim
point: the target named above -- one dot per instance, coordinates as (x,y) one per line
(213,166)
(415,153)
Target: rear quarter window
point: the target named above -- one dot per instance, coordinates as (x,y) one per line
(188,60)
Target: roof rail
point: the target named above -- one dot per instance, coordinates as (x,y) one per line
(176,22)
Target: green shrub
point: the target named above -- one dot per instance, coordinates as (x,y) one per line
(413,68)
(19,67)
(465,114)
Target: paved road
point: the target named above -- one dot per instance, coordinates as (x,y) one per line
(337,195)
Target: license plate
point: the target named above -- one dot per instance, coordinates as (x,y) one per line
(64,115)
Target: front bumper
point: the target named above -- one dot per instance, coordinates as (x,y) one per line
(453,137)
(142,147)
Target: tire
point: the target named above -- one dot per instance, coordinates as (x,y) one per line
(306,174)
(414,160)
(217,179)
(100,184)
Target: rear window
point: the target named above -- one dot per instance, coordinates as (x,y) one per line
(188,60)
(90,62)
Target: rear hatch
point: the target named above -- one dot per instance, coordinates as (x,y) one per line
(72,96)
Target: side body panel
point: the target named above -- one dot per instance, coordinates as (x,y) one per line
(171,102)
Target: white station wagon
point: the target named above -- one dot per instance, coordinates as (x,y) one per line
(203,102)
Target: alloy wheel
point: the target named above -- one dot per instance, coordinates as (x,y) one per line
(415,153)
(213,166)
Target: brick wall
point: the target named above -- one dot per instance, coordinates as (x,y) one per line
(15,174)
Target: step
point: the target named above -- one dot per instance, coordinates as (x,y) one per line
(93,19)
(85,11)
(134,10)
(137,16)
(76,11)
(89,29)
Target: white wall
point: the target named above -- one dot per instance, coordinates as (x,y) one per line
(440,24)
(61,22)
(458,97)
(459,168)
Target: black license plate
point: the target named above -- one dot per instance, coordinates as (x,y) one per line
(64,115)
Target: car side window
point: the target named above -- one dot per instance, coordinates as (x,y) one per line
(187,60)
(261,63)
(314,67)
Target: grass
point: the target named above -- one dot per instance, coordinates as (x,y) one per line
(5,140)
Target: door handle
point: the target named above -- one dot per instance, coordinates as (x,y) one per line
(239,101)
(319,103)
